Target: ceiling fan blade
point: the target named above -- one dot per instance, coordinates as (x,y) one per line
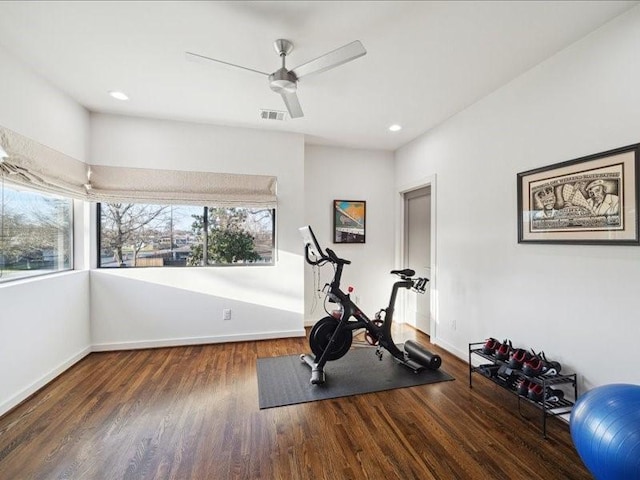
(332,59)
(292,103)
(195,57)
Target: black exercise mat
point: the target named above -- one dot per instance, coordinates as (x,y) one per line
(285,380)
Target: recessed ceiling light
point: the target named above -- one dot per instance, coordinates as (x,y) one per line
(118,95)
(395,128)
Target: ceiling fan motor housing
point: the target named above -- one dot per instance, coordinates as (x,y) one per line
(283,80)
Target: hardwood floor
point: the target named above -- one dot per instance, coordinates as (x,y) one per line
(192,413)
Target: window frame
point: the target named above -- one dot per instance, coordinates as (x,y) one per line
(70,234)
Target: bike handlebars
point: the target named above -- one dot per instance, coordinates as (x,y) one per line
(335,259)
(322,259)
(312,246)
(329,257)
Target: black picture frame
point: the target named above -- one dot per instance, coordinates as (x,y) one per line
(591,200)
(349,221)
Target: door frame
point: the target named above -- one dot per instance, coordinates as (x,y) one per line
(429,181)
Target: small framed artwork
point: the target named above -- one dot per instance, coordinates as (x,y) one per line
(349,221)
(589,200)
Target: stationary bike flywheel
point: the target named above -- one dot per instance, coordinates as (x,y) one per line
(321,334)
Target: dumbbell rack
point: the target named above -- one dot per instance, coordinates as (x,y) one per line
(490,370)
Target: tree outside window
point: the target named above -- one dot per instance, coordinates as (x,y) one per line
(36,233)
(146,235)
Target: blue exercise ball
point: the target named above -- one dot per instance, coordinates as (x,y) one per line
(605,428)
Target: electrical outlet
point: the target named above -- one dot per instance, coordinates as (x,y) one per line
(226,314)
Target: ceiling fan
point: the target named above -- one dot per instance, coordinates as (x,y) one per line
(285,82)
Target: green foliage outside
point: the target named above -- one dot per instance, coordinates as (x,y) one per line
(228,241)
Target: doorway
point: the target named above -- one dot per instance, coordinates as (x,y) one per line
(417,253)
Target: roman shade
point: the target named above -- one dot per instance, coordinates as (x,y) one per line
(141,185)
(37,166)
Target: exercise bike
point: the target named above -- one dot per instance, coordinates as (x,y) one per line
(331,337)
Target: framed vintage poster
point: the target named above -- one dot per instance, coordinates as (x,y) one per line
(589,200)
(349,221)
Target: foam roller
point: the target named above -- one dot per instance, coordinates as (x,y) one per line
(424,357)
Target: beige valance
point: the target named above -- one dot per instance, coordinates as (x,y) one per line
(37,166)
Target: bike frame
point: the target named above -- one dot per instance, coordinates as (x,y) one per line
(353,318)
(350,310)
(381,333)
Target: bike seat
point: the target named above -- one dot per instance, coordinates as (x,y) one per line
(407,272)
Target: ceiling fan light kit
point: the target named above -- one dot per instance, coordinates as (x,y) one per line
(285,82)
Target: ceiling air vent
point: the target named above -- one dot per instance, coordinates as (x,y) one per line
(271,115)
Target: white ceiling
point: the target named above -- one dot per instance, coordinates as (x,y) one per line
(425,61)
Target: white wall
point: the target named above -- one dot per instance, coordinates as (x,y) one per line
(164,306)
(333,173)
(577,303)
(34,108)
(43,328)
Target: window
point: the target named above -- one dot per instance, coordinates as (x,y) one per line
(36,233)
(143,235)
